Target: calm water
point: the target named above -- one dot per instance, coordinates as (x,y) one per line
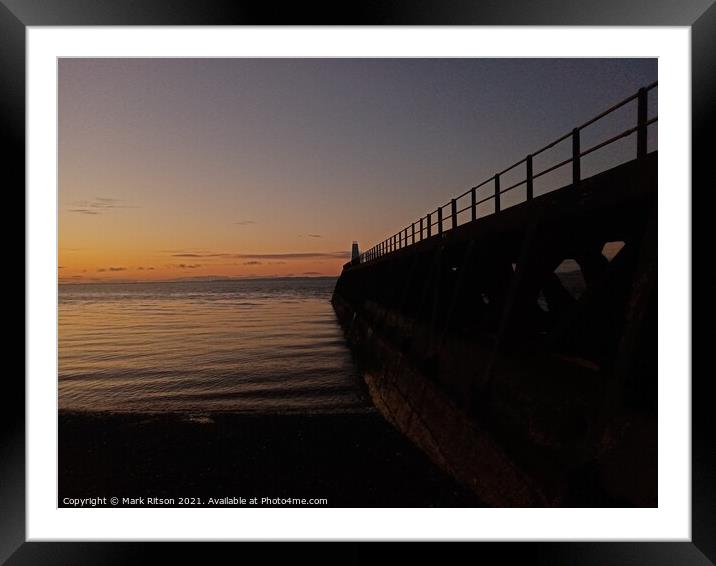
(268,345)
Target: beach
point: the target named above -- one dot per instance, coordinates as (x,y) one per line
(348,460)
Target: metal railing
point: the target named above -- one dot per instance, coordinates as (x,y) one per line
(432,224)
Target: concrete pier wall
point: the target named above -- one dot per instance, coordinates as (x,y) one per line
(519,350)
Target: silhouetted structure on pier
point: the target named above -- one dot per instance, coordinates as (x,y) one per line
(509,346)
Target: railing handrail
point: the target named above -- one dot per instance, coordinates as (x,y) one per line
(399,240)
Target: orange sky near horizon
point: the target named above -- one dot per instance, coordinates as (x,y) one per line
(113,241)
(81,268)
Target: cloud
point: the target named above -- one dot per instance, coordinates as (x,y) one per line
(97,205)
(244,222)
(314,236)
(300,255)
(276,256)
(311,273)
(252,262)
(188,266)
(81,279)
(277,263)
(118,269)
(60,267)
(101,270)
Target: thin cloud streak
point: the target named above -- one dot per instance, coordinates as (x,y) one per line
(98,205)
(269,256)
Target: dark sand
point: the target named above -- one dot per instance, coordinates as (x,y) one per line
(352,460)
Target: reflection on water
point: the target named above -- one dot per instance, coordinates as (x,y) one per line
(251,345)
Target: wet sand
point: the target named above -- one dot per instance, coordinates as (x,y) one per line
(351,460)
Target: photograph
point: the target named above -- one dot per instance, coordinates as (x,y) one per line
(337,282)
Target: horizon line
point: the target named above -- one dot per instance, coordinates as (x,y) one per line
(207,279)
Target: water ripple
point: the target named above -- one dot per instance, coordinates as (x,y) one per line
(270,345)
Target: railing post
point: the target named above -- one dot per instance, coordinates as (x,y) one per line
(576,159)
(497,193)
(473,203)
(413,229)
(430,227)
(530,188)
(421,228)
(641,123)
(440,219)
(453,211)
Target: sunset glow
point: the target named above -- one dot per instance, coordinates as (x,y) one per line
(187,168)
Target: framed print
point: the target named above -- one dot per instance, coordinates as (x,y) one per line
(424,275)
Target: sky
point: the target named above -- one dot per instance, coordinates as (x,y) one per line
(178,168)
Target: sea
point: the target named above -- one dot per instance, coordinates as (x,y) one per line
(196,347)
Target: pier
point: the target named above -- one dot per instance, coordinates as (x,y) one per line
(513,339)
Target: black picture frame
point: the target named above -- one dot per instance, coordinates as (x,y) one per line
(17,15)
